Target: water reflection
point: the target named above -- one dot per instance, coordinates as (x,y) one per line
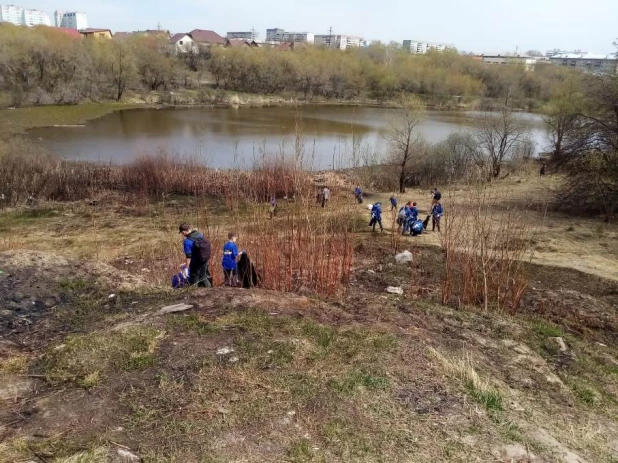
(236,137)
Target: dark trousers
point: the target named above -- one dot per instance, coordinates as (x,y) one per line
(200,276)
(231,277)
(435,223)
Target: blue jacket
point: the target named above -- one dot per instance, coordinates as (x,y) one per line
(358,191)
(188,243)
(414,212)
(230,253)
(394,201)
(376,212)
(437,210)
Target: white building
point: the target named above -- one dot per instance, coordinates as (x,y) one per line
(280,36)
(71,20)
(418,47)
(529,62)
(183,43)
(341,42)
(247,35)
(23,17)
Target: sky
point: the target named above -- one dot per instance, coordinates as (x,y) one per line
(480,26)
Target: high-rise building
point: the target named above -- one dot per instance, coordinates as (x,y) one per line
(74,20)
(271,34)
(248,35)
(58,18)
(420,48)
(280,36)
(341,42)
(11,14)
(23,17)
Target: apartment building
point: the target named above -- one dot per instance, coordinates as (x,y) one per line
(71,20)
(557,51)
(341,42)
(417,47)
(277,35)
(23,17)
(588,62)
(248,35)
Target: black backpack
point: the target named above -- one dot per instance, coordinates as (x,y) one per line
(201,250)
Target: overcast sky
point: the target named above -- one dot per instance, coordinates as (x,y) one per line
(482,26)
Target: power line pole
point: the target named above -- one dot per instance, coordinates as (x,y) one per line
(330,36)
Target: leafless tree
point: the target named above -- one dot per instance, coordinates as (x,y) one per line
(405,140)
(499,140)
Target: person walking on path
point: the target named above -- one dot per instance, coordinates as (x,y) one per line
(197,251)
(376,217)
(358,194)
(543,170)
(436,215)
(273,207)
(393,201)
(229,262)
(325,196)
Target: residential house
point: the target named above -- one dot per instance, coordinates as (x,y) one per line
(236,43)
(68,31)
(97,33)
(182,43)
(206,38)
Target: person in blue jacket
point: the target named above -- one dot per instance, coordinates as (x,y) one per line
(393,203)
(358,194)
(197,251)
(229,262)
(437,211)
(376,216)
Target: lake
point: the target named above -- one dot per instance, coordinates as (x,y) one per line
(328,136)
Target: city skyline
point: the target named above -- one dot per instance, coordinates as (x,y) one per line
(479,26)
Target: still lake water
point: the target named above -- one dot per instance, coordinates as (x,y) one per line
(228,137)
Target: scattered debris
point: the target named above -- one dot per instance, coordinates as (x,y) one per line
(560,342)
(404,257)
(175,308)
(395,290)
(128,456)
(233,360)
(225,350)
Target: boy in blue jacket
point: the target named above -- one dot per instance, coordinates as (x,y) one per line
(229,262)
(436,215)
(376,216)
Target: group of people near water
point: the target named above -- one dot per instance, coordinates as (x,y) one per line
(239,271)
(408,221)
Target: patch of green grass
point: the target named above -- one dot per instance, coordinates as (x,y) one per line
(86,359)
(323,336)
(547,329)
(491,399)
(75,284)
(582,391)
(300,451)
(192,322)
(355,380)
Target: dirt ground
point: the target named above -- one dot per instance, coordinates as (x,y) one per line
(92,371)
(254,375)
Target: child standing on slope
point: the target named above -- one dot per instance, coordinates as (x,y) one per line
(230,256)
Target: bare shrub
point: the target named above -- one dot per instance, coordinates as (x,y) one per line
(485,251)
